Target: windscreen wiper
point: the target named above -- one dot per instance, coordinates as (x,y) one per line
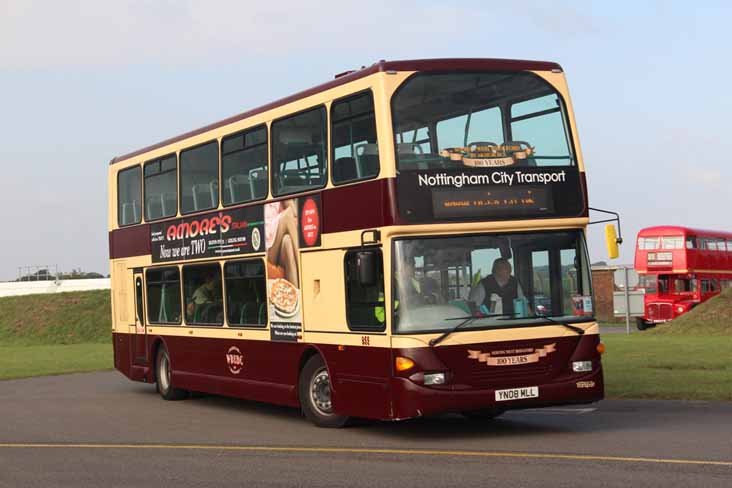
(578,330)
(465,321)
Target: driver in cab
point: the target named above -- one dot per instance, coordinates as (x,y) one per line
(495,294)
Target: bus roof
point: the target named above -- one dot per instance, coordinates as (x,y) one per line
(427,65)
(675,230)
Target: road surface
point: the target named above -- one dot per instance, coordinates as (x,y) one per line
(100,429)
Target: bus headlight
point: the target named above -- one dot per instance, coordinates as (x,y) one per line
(679,309)
(581,366)
(434,379)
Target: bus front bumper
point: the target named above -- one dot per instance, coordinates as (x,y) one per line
(413,400)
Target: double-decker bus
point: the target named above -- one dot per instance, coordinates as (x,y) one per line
(404,240)
(679,268)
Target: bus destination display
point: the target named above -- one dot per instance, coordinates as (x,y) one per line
(504,201)
(490,193)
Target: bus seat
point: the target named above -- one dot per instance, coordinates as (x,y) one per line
(130,213)
(202,312)
(412,154)
(262,314)
(367,148)
(163,312)
(345,169)
(205,195)
(243,314)
(239,188)
(154,207)
(258,182)
(170,204)
(369,164)
(368,159)
(292,178)
(408,149)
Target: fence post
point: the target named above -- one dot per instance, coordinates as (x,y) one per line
(627,301)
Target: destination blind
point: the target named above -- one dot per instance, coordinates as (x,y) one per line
(490,194)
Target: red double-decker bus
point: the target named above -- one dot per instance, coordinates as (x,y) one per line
(679,268)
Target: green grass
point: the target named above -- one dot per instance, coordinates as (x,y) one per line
(62,318)
(55,334)
(26,361)
(668,367)
(689,358)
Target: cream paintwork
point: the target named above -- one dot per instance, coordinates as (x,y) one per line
(327,310)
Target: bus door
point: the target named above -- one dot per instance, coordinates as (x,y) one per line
(139,339)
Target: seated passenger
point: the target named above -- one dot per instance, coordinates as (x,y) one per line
(204,297)
(413,290)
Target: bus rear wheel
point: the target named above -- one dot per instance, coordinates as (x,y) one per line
(315,395)
(162,377)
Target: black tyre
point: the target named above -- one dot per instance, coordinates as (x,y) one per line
(162,377)
(484,414)
(641,324)
(315,399)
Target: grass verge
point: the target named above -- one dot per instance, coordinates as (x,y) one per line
(59,318)
(654,366)
(26,361)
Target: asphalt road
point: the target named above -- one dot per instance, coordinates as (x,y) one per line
(102,430)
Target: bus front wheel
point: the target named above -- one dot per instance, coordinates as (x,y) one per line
(163,377)
(642,324)
(315,395)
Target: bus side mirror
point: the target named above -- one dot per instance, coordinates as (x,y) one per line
(366,263)
(611,241)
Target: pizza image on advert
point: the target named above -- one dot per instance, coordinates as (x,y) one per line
(284,297)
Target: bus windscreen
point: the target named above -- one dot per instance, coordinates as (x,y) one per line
(497,280)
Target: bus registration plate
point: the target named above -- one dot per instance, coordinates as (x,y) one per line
(517,393)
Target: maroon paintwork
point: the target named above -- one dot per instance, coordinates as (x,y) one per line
(366,205)
(360,206)
(363,380)
(457,64)
(129,241)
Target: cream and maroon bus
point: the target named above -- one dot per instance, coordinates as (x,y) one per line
(405,240)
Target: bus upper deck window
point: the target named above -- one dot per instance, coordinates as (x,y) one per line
(353,139)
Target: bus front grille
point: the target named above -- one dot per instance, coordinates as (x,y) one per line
(660,311)
(509,375)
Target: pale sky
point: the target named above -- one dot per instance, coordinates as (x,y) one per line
(84,81)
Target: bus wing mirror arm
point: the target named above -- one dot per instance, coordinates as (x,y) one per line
(611,239)
(619,239)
